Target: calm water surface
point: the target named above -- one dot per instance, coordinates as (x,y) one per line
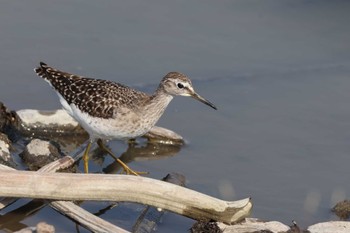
(277,70)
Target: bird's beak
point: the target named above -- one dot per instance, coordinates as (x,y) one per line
(201,99)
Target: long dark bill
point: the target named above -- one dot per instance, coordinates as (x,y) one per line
(204,101)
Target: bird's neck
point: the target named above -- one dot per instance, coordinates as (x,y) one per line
(157,104)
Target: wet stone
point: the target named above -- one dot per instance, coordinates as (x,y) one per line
(7,118)
(165,136)
(38,153)
(254,225)
(43,227)
(205,226)
(331,227)
(342,209)
(5,155)
(47,123)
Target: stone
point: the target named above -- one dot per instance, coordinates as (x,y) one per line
(38,153)
(43,227)
(342,209)
(5,155)
(7,118)
(332,226)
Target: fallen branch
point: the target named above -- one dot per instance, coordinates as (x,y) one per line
(98,187)
(151,216)
(83,217)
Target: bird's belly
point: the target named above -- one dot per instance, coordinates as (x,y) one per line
(125,127)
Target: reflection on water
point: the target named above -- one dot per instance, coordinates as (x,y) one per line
(137,150)
(148,151)
(12,221)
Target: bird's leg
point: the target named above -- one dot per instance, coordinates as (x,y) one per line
(132,141)
(86,158)
(126,168)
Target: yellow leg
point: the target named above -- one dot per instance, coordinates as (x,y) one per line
(126,168)
(86,158)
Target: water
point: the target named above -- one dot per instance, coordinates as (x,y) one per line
(278,72)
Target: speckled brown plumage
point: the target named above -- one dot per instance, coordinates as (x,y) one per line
(109,110)
(96,97)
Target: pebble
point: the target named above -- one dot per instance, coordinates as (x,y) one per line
(38,153)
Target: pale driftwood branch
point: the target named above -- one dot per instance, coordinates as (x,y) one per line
(5,201)
(56,165)
(63,186)
(51,167)
(86,219)
(151,216)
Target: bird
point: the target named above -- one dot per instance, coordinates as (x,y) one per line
(109,110)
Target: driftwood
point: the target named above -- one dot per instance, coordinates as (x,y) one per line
(151,216)
(141,190)
(40,184)
(68,208)
(98,187)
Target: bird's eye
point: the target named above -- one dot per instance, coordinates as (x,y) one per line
(180,85)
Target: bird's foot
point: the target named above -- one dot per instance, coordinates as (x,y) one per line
(129,171)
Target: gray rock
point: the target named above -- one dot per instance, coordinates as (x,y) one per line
(35,122)
(38,153)
(5,155)
(6,117)
(43,227)
(332,226)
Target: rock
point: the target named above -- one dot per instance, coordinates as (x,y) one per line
(162,135)
(333,226)
(253,225)
(38,153)
(43,227)
(5,155)
(342,209)
(34,122)
(7,118)
(205,226)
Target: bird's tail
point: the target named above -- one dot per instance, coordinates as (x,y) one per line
(43,71)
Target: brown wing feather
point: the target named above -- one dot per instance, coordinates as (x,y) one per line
(98,98)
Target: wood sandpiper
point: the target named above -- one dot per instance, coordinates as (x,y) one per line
(109,110)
